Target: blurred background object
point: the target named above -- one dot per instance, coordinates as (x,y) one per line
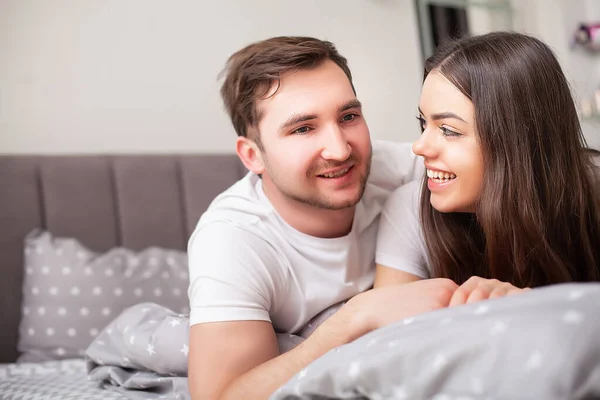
(588,36)
(440,20)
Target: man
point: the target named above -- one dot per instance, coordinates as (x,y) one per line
(297,234)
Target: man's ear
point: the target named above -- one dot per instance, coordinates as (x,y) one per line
(250,154)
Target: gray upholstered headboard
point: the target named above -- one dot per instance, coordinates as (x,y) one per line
(103,201)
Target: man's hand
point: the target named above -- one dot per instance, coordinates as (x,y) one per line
(382,306)
(477,289)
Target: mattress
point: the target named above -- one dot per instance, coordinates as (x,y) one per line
(65,380)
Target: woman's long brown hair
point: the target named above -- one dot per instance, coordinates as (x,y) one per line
(537,221)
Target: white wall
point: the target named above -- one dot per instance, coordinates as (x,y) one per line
(122,76)
(119,76)
(555,23)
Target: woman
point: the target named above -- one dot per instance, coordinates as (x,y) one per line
(510,195)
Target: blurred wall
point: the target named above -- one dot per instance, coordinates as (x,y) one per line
(127,76)
(555,22)
(119,76)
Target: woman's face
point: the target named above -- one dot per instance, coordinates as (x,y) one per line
(449,146)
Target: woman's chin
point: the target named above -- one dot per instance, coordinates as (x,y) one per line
(447,207)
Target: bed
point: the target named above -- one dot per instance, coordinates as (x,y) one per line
(91,212)
(94,302)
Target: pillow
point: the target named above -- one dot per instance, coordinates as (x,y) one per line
(71,293)
(144,337)
(151,337)
(146,349)
(542,344)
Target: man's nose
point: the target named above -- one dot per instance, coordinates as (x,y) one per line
(335,145)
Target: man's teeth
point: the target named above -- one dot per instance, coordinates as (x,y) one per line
(440,175)
(336,174)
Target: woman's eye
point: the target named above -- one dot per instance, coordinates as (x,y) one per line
(301,131)
(422,123)
(449,132)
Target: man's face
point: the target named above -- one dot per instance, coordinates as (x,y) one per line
(316,147)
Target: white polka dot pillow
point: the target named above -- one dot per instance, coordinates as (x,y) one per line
(71,293)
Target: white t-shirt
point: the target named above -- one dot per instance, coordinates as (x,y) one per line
(400,241)
(247,263)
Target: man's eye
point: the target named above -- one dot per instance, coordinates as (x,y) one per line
(349,117)
(301,131)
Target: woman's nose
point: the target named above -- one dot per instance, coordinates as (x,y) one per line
(425,145)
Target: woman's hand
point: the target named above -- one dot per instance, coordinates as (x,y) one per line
(477,289)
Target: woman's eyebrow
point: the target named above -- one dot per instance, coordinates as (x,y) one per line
(444,115)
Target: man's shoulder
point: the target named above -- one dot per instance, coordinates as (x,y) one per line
(239,212)
(240,203)
(408,196)
(393,165)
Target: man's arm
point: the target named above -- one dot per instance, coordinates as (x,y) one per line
(240,360)
(234,283)
(220,352)
(235,360)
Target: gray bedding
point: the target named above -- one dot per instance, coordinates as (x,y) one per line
(539,345)
(544,344)
(51,380)
(143,353)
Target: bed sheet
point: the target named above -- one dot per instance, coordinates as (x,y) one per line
(50,380)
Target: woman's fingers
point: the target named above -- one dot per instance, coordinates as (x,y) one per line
(481,292)
(477,289)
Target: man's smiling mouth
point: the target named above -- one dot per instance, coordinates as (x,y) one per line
(336,174)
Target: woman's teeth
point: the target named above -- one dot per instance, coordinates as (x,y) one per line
(337,174)
(439,175)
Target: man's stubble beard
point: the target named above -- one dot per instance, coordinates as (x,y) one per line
(324,204)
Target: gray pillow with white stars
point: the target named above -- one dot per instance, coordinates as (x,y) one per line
(143,352)
(71,293)
(542,344)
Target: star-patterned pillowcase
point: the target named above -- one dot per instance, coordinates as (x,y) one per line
(71,293)
(145,337)
(147,343)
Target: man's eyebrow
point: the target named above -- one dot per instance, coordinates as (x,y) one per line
(444,115)
(295,119)
(351,104)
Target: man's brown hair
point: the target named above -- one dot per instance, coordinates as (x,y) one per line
(251,72)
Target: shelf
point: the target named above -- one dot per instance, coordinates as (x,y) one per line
(493,8)
(499,5)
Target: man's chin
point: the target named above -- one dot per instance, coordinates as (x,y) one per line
(329,203)
(337,206)
(334,200)
(341,204)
